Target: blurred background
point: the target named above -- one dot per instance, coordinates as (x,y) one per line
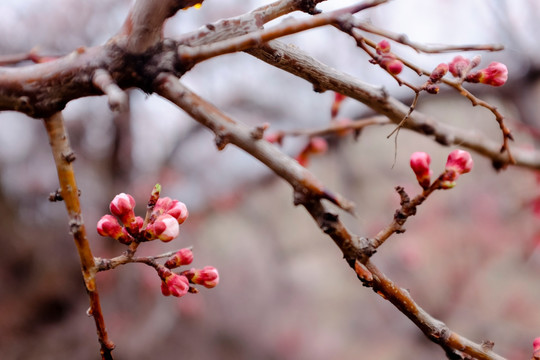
(470,257)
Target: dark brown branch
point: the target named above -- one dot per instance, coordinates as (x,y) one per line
(63,157)
(434,329)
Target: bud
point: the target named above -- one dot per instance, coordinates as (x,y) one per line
(459,162)
(164,228)
(174,284)
(432,88)
(181,257)
(207,276)
(175,208)
(420,165)
(458,66)
(318,145)
(495,74)
(536,349)
(275,138)
(383,47)
(391,64)
(338,99)
(123,206)
(109,226)
(438,72)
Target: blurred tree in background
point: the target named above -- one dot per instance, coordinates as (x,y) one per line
(469,256)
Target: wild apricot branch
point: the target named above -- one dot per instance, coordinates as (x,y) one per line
(63,158)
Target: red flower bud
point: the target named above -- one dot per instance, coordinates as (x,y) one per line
(383,47)
(123,206)
(495,74)
(181,257)
(536,349)
(438,72)
(458,66)
(164,228)
(391,64)
(109,226)
(459,162)
(207,276)
(338,99)
(174,284)
(175,208)
(420,165)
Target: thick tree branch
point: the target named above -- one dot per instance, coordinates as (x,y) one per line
(64,157)
(143,28)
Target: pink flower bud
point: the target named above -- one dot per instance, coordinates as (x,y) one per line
(318,145)
(181,257)
(207,276)
(109,226)
(495,74)
(174,284)
(275,138)
(383,47)
(420,165)
(536,349)
(438,72)
(175,208)
(458,66)
(336,105)
(164,228)
(459,162)
(123,206)
(391,64)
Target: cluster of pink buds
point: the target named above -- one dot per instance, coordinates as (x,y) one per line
(496,74)
(163,217)
(162,223)
(179,284)
(458,162)
(316,145)
(387,60)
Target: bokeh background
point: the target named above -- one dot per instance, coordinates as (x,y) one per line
(470,256)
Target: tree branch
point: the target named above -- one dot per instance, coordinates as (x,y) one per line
(325,78)
(63,157)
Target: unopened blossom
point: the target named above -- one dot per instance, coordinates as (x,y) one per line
(458,162)
(164,228)
(174,284)
(109,226)
(420,165)
(391,64)
(383,47)
(536,349)
(458,66)
(175,208)
(180,258)
(495,74)
(438,73)
(123,206)
(336,105)
(207,276)
(316,145)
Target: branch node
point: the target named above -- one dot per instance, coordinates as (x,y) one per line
(222,141)
(69,157)
(258,132)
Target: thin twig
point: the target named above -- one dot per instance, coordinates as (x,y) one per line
(63,157)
